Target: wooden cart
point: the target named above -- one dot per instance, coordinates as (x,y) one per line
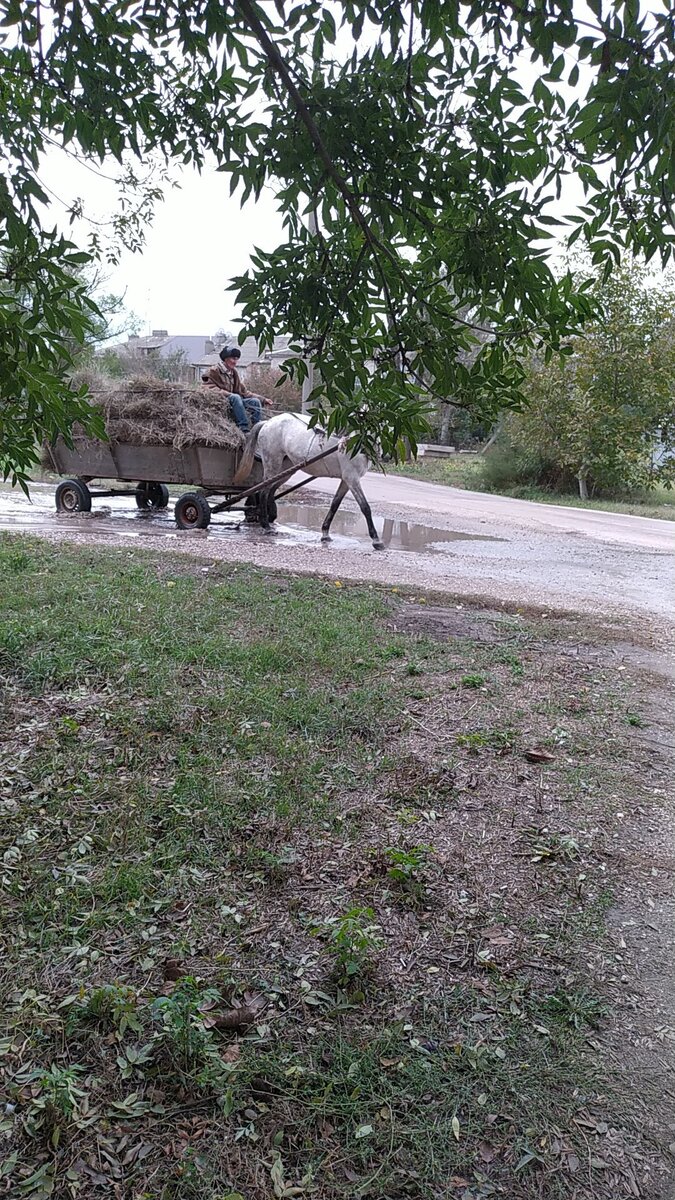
(150,469)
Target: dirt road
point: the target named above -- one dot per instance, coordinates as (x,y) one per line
(438,538)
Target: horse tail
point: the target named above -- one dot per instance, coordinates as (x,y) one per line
(244,469)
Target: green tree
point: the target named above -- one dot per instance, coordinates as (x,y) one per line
(605,415)
(413,140)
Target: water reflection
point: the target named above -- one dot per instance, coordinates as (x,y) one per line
(399,535)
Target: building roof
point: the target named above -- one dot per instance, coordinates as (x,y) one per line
(251,353)
(199,351)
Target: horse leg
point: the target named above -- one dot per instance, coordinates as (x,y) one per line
(273,465)
(264,511)
(337,501)
(357,492)
(263,518)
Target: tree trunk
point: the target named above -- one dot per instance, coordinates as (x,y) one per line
(308,383)
(446,420)
(581,478)
(492,438)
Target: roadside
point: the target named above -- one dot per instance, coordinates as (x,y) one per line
(457,543)
(261,939)
(464,470)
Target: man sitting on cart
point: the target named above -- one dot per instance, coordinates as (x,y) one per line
(244,405)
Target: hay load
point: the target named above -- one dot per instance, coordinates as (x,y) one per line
(145,411)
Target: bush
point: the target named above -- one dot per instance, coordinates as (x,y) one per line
(508,466)
(118,365)
(265,381)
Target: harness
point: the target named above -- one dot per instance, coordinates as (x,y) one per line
(317,432)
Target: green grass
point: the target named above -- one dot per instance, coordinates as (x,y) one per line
(465,471)
(215,793)
(457,470)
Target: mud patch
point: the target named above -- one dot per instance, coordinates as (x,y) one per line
(443,624)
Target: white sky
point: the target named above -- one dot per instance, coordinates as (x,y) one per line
(200,238)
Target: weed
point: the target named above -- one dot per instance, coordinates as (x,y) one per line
(276,867)
(547,846)
(502,654)
(353,939)
(499,740)
(406,870)
(405,864)
(110,1004)
(575,1008)
(16,561)
(635,719)
(132,1059)
(473,681)
(184,1035)
(55,1103)
(407,816)
(69,727)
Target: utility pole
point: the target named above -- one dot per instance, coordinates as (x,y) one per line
(308,383)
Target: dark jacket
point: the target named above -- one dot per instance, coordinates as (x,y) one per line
(218,376)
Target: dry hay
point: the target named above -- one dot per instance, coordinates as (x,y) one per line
(146,411)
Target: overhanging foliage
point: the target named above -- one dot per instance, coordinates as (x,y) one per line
(426,140)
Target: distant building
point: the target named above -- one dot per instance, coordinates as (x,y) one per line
(251,355)
(198,353)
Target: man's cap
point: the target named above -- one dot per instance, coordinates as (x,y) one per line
(230,352)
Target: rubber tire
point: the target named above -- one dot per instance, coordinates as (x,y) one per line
(192,511)
(73,496)
(152,496)
(251,511)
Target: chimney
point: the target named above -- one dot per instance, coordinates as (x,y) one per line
(209,347)
(160,333)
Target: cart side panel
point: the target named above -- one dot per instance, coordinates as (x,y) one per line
(214,467)
(87,457)
(162,464)
(202,466)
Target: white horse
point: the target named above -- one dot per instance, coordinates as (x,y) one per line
(287,440)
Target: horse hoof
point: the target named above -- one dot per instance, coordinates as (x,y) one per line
(379,546)
(325,537)
(269,529)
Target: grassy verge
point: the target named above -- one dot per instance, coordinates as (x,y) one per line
(304,888)
(465,471)
(457,470)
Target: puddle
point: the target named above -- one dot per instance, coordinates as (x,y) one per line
(115,516)
(118,516)
(399,535)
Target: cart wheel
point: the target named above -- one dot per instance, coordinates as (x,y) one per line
(152,495)
(251,510)
(73,496)
(192,511)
